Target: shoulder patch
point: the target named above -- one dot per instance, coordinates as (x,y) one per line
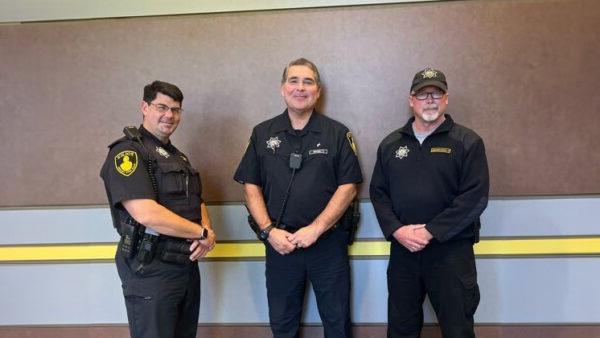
(351,141)
(126,162)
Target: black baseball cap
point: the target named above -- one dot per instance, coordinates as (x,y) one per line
(429,77)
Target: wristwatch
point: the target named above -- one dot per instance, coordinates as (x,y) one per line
(204,233)
(263,234)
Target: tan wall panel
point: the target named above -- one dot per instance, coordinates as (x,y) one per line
(521,73)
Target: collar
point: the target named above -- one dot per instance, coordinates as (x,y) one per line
(282,122)
(149,136)
(442,128)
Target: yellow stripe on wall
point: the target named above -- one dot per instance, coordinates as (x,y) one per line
(255,250)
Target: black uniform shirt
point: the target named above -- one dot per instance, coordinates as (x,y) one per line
(125,175)
(443,183)
(328,161)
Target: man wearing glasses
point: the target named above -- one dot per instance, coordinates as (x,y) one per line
(430,184)
(155,199)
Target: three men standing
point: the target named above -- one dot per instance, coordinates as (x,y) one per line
(300,173)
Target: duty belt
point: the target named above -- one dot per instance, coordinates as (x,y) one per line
(173,250)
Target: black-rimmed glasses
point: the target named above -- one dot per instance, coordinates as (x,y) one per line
(163,108)
(424,95)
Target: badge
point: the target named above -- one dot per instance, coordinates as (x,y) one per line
(402,152)
(441,150)
(429,73)
(162,152)
(273,143)
(126,162)
(351,140)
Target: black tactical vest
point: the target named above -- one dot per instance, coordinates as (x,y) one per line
(178,184)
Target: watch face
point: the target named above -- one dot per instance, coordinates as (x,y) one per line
(264,233)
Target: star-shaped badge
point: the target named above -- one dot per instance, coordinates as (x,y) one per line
(273,143)
(402,152)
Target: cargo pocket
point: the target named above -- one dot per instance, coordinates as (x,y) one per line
(471,294)
(135,293)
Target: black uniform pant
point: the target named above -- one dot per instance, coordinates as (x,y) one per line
(327,266)
(162,299)
(446,273)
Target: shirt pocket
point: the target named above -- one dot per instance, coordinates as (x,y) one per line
(174,181)
(319,158)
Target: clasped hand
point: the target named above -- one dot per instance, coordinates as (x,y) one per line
(200,247)
(285,242)
(413,237)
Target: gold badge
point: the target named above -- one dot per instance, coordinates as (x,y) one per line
(441,150)
(429,73)
(352,144)
(126,162)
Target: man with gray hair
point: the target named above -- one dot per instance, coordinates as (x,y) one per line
(430,184)
(300,172)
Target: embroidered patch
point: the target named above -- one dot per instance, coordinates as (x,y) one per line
(352,144)
(162,152)
(318,151)
(126,162)
(429,73)
(402,152)
(273,143)
(441,150)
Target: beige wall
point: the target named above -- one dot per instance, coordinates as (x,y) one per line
(521,73)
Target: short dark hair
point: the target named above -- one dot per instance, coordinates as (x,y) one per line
(164,88)
(302,62)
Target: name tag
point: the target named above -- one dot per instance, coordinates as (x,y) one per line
(441,150)
(318,151)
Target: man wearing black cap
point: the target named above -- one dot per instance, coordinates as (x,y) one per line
(429,187)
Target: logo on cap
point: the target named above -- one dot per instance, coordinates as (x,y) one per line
(429,73)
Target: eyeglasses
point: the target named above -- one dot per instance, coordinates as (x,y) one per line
(424,95)
(163,108)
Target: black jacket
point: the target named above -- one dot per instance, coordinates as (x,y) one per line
(443,183)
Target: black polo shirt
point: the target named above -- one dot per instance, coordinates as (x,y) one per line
(328,161)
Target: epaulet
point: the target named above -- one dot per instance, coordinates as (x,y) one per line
(117,142)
